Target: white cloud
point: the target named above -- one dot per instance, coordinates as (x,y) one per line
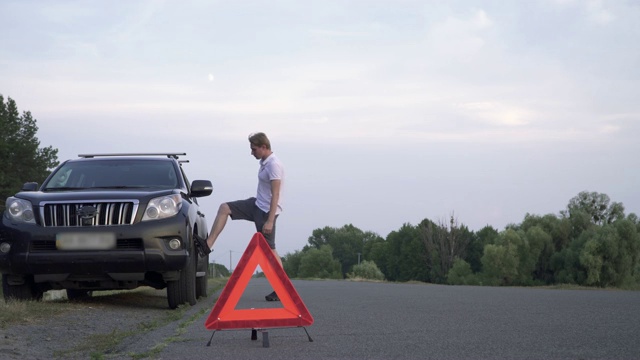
(481,20)
(598,13)
(496,113)
(459,37)
(596,10)
(337,33)
(610,129)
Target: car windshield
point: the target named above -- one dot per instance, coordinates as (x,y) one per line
(113,174)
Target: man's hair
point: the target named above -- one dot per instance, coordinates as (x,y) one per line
(259,139)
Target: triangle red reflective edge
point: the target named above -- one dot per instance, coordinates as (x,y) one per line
(293,313)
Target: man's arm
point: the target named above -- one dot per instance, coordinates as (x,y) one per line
(273,206)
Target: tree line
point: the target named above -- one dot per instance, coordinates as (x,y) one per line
(591,242)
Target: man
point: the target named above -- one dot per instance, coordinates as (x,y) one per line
(263,209)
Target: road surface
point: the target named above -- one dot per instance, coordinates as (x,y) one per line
(363,320)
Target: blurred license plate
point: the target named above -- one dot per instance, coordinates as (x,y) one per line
(86,241)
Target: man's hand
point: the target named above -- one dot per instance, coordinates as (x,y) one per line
(267,228)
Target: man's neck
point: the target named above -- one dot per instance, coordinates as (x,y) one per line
(267,155)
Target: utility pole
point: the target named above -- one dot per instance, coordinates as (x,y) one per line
(358,258)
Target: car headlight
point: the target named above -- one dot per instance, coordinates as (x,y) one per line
(163,207)
(20,210)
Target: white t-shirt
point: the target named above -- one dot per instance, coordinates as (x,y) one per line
(270,169)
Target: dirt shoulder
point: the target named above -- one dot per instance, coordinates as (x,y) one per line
(102,327)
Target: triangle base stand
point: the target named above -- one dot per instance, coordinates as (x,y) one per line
(265,336)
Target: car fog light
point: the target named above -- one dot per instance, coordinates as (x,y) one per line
(5,247)
(174,244)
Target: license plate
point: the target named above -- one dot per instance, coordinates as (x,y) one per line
(86,241)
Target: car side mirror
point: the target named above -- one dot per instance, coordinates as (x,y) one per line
(30,186)
(201,188)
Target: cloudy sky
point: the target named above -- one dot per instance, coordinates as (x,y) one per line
(383,112)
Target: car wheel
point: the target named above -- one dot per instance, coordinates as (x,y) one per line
(188,276)
(201,282)
(78,294)
(174,294)
(26,291)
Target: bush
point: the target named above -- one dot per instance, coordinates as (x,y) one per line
(366,270)
(461,274)
(319,264)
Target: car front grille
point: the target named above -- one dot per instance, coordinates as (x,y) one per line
(89,213)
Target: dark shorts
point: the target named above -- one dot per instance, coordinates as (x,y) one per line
(247,210)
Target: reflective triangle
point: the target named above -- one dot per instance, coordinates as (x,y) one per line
(293,312)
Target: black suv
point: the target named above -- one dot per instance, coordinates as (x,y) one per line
(103,222)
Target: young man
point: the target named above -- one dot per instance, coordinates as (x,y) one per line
(263,209)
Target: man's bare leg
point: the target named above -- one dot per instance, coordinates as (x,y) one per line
(273,296)
(218,224)
(277,256)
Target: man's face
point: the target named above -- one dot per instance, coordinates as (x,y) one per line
(258,151)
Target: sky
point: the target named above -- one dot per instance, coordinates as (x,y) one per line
(383,112)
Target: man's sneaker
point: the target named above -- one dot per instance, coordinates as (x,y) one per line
(201,245)
(272,297)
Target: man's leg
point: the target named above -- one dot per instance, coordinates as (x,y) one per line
(218,224)
(271,240)
(277,256)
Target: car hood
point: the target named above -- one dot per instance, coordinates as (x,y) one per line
(37,197)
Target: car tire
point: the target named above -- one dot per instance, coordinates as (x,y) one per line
(188,276)
(174,294)
(201,282)
(26,291)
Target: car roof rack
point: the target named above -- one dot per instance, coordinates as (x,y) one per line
(169,155)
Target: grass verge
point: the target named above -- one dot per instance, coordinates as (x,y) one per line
(102,346)
(29,312)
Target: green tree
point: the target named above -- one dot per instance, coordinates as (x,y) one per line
(406,255)
(597,206)
(444,242)
(591,259)
(558,228)
(378,252)
(21,158)
(346,243)
(319,263)
(617,245)
(500,264)
(291,263)
(461,274)
(566,265)
(630,251)
(541,249)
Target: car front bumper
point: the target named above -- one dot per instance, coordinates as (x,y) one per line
(141,248)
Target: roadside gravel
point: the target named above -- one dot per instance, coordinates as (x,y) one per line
(99,327)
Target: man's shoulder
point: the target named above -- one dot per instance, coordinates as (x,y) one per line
(272,160)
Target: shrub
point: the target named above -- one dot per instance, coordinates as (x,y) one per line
(461,274)
(366,270)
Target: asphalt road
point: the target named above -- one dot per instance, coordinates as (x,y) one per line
(360,320)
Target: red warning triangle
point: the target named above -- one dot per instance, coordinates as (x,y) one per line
(293,312)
